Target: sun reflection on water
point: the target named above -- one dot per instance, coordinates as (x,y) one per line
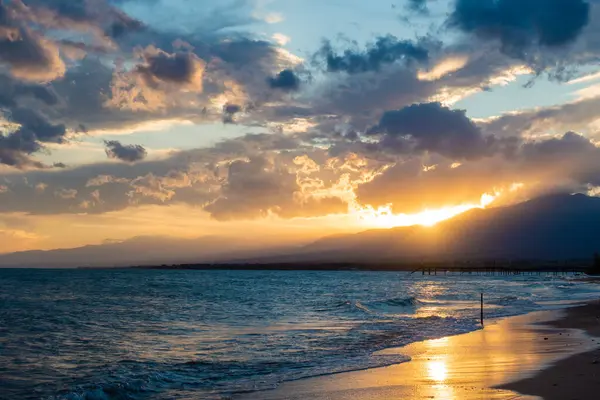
(437,370)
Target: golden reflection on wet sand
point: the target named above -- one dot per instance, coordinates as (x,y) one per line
(464,367)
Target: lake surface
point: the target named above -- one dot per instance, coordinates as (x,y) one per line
(152,334)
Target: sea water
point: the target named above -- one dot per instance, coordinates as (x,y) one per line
(155,334)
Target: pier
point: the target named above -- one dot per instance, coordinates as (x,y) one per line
(501,271)
(491,268)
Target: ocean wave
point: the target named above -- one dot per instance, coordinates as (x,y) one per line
(514,301)
(223,332)
(403,302)
(218,380)
(396,305)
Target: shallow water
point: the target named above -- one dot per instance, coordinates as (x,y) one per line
(150,334)
(473,366)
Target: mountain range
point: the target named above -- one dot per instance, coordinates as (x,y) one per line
(145,250)
(556,227)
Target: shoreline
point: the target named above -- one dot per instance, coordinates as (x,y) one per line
(519,357)
(575,377)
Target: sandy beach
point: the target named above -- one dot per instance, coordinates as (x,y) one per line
(549,355)
(576,377)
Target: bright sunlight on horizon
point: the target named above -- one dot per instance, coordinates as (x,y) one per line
(384,216)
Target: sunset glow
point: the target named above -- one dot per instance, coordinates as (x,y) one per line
(384,217)
(235,120)
(276,199)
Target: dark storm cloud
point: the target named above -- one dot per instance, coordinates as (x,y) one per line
(28,54)
(13,90)
(34,130)
(285,80)
(521,24)
(128,153)
(242,50)
(76,10)
(361,99)
(81,15)
(434,127)
(385,50)
(179,68)
(37,127)
(15,157)
(123,26)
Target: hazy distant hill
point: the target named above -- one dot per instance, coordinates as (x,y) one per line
(143,250)
(556,227)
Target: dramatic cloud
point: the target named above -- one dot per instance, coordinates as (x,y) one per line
(14,157)
(433,127)
(244,178)
(521,24)
(32,130)
(451,74)
(374,127)
(277,175)
(179,68)
(385,50)
(285,80)
(411,188)
(128,153)
(568,163)
(418,6)
(124,72)
(257,187)
(34,126)
(90,67)
(29,55)
(581,115)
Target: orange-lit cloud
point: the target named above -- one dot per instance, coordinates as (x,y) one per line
(352,135)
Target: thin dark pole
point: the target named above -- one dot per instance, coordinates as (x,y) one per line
(481,308)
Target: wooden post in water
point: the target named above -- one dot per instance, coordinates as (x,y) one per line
(481,308)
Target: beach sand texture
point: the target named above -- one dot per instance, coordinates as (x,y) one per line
(548,354)
(576,377)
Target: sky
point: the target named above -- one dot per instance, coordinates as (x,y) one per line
(290,118)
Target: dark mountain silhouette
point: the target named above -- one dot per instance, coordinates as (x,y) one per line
(556,227)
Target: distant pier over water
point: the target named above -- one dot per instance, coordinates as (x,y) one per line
(491,268)
(500,271)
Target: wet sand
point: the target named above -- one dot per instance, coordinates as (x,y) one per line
(574,378)
(476,365)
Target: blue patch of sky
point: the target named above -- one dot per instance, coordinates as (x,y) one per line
(515,96)
(307,23)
